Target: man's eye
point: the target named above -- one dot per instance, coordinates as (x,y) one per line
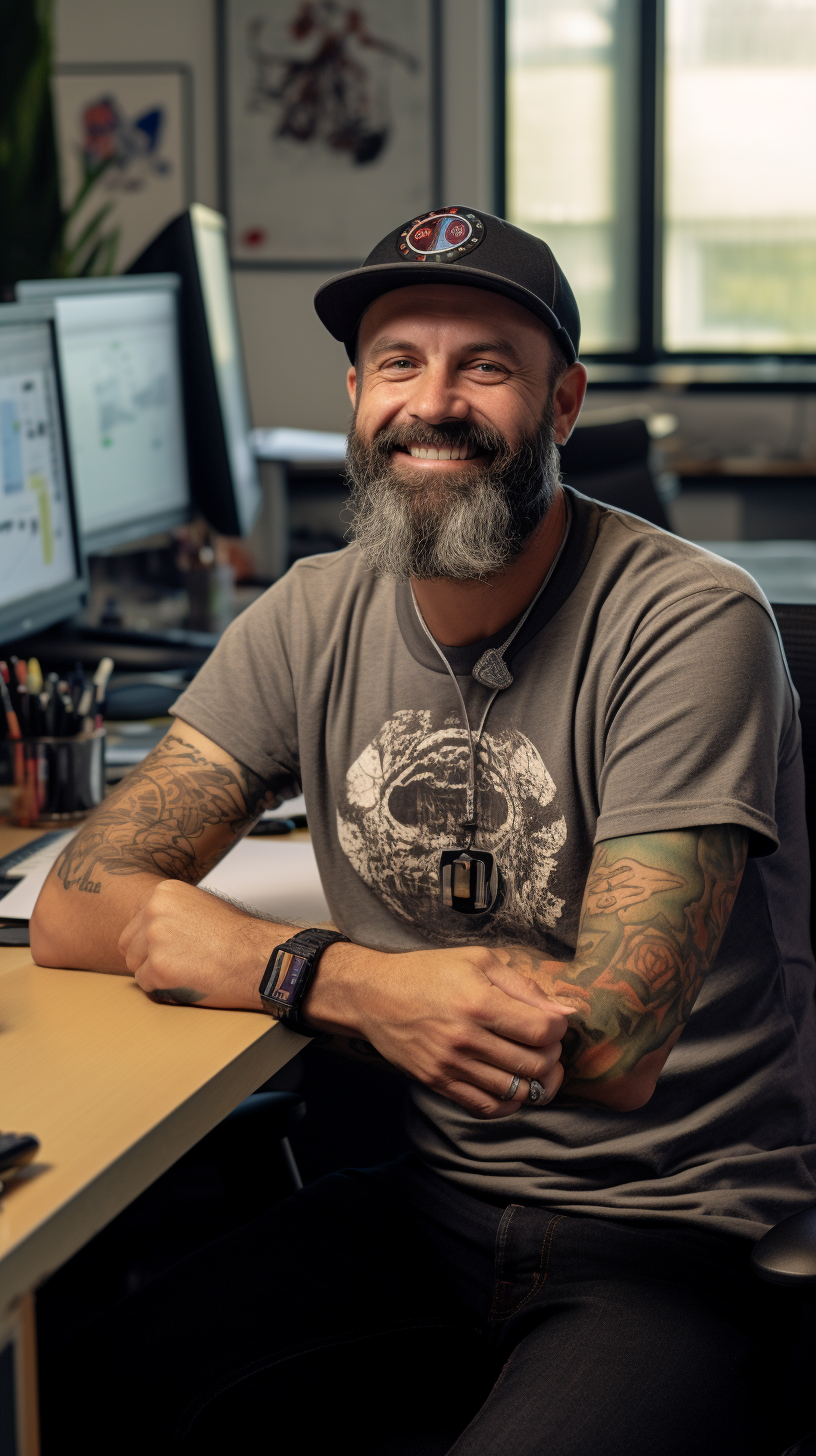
(400,364)
(483,366)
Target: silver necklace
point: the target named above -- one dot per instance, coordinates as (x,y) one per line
(469,878)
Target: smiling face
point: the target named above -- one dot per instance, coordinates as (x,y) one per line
(459,394)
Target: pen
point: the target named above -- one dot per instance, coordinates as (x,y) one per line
(66,717)
(84,710)
(24,710)
(34,681)
(12,723)
(5,698)
(100,678)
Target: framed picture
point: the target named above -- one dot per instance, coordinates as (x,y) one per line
(127,131)
(330,125)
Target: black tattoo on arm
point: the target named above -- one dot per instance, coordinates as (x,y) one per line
(654,914)
(177,996)
(154,821)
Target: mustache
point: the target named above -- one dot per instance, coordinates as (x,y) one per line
(480,439)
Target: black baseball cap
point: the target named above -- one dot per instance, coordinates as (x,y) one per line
(456,245)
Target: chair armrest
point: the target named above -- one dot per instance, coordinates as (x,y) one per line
(787,1253)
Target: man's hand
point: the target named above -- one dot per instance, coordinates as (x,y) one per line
(457,1020)
(184,945)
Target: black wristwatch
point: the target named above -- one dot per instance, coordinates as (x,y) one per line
(289,974)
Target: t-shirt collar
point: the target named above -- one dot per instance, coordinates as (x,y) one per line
(567,574)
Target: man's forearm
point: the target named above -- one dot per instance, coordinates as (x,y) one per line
(82,930)
(654,913)
(172,818)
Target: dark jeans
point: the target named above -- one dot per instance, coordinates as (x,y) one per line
(387,1311)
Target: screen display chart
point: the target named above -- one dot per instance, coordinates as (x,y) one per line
(120,365)
(36,545)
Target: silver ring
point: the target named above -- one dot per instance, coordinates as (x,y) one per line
(536,1092)
(511,1091)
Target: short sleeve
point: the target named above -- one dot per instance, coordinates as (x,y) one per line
(700,711)
(243,697)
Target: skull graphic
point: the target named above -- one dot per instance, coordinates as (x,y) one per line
(403,800)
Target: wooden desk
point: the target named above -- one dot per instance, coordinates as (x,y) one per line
(116,1088)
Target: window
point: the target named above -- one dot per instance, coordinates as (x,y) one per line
(571,150)
(665,149)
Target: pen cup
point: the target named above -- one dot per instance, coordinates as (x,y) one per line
(57,781)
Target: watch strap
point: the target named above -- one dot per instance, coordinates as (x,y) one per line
(289,973)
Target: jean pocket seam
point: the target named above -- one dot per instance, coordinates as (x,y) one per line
(541,1277)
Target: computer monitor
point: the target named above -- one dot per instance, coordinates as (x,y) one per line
(41,573)
(121,375)
(224,473)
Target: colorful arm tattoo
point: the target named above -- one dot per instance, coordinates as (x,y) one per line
(654,913)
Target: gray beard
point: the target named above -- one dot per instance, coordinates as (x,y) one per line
(466,525)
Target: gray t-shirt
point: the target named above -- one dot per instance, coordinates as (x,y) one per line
(650,693)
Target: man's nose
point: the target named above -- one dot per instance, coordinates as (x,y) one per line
(437,397)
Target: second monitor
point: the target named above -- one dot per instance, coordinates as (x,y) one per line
(121,372)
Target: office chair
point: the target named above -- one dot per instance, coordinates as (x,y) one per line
(610,462)
(787,1253)
(252,1152)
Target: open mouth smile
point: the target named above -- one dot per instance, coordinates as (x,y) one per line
(439,452)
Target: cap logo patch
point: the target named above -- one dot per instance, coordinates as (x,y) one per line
(441,237)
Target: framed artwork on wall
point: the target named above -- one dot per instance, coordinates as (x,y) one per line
(124,134)
(330,126)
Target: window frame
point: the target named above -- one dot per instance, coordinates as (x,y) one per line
(649,360)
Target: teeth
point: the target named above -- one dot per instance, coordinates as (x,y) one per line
(445,452)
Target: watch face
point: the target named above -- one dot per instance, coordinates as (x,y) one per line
(288,971)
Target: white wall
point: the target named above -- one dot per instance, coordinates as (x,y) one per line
(296,370)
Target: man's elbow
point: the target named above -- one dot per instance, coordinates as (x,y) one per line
(45,943)
(627,1093)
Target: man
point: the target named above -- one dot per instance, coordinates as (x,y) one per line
(552,769)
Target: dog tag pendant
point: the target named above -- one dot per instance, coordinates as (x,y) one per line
(468,880)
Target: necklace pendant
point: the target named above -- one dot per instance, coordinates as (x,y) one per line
(468,880)
(491,670)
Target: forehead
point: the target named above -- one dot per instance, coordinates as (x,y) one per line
(453,310)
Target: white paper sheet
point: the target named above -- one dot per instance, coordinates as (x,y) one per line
(287,810)
(19,903)
(273,875)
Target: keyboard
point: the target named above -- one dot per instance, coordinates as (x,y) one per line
(32,856)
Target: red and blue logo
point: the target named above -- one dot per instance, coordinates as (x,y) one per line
(441,237)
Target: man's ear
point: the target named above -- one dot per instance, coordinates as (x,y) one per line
(351,386)
(567,400)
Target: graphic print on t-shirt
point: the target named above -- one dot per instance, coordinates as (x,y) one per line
(404,798)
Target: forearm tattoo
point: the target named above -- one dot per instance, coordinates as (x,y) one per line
(177,996)
(654,913)
(154,820)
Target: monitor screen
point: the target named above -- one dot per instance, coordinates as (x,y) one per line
(41,578)
(223,471)
(210,237)
(121,374)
